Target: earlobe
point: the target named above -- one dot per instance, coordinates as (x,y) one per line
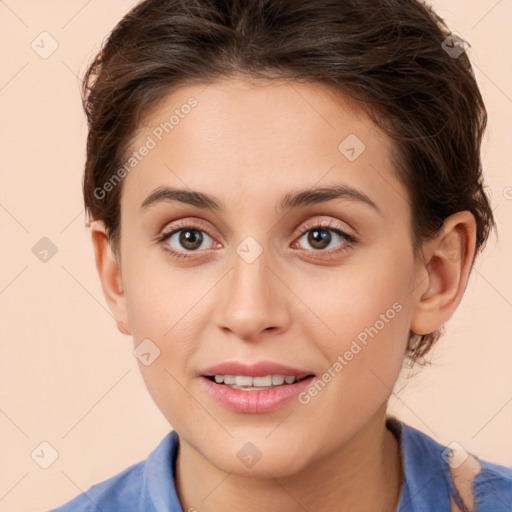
(446,267)
(110,276)
(121,328)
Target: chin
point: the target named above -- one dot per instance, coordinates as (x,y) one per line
(259,460)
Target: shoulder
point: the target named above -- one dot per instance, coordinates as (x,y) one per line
(435,471)
(119,492)
(491,487)
(480,483)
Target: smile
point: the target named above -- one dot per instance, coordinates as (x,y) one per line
(254,399)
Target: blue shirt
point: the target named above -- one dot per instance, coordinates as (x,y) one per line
(148,486)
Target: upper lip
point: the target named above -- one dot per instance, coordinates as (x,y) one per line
(259,369)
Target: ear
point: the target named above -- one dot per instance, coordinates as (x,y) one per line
(109,270)
(443,273)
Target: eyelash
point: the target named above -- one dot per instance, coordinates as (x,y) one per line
(326,226)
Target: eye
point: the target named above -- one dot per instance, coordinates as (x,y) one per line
(184,239)
(321,237)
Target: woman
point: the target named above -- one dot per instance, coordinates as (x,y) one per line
(287,202)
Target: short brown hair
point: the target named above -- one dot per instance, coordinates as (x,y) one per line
(389,55)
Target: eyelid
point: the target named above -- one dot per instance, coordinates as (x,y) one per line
(182,224)
(325,224)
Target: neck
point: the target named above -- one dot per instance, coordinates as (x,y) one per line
(363,474)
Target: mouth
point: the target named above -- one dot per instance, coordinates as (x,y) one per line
(260,387)
(254,389)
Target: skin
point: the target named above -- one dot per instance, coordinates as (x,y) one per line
(249,144)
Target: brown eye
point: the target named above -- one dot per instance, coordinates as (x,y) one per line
(186,239)
(319,238)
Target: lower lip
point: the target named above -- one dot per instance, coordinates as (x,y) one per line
(255,402)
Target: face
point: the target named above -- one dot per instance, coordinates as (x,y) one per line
(321,286)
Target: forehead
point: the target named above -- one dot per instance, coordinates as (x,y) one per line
(235,139)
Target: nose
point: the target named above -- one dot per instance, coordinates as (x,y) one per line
(252,300)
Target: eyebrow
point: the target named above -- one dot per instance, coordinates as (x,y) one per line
(294,199)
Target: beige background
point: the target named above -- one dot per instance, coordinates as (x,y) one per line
(68,377)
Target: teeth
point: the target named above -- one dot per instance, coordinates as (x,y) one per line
(243,380)
(248,381)
(262,381)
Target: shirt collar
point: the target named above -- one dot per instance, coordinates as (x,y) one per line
(158,486)
(426,478)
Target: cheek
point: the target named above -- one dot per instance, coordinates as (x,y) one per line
(163,312)
(367,310)
(165,305)
(367,296)
(161,298)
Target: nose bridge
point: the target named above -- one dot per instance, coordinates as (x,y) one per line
(251,300)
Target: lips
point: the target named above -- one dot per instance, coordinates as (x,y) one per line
(257,398)
(253,400)
(259,369)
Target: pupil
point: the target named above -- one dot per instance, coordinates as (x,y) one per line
(190,237)
(319,238)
